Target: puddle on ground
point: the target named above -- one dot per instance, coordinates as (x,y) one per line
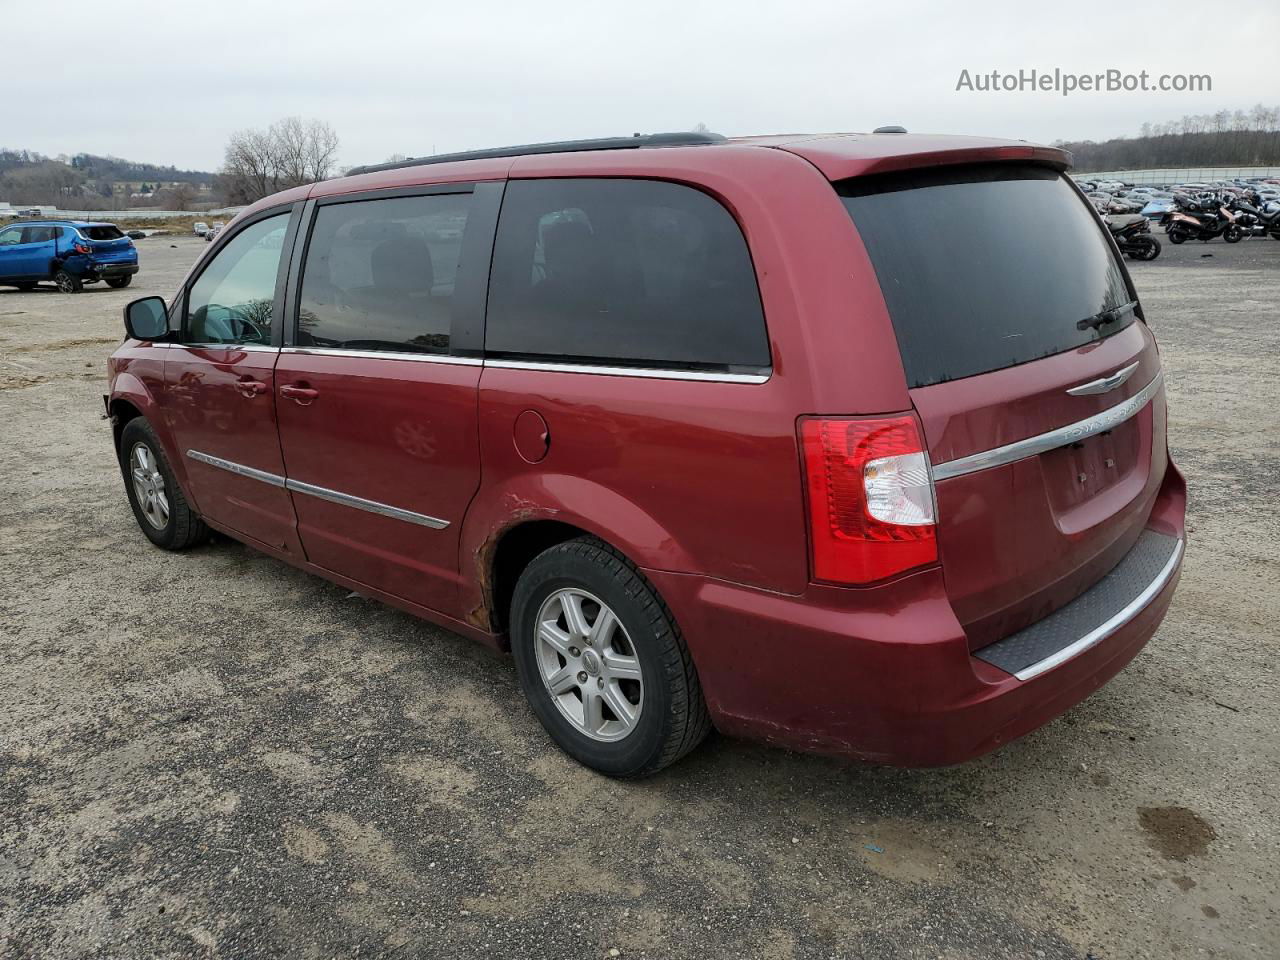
(1176,832)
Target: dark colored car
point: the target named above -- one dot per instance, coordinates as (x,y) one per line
(71,253)
(823,441)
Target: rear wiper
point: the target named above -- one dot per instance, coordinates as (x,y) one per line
(1099,320)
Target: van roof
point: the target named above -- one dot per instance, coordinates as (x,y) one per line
(633,142)
(867,152)
(838,156)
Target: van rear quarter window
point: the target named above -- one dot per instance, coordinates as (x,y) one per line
(637,272)
(985,267)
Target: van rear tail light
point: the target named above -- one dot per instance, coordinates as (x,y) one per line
(83,248)
(871,500)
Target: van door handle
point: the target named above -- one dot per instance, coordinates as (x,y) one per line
(302,395)
(250,388)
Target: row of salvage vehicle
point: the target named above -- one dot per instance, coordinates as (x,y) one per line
(1232,210)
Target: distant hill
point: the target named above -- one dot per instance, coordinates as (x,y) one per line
(113,168)
(1222,139)
(96,167)
(88,181)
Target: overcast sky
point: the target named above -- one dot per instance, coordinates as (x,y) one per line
(165,82)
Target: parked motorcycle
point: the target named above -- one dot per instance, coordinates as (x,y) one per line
(1201,219)
(1249,216)
(1133,236)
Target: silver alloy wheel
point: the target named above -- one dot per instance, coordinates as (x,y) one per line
(64,282)
(589,665)
(148,485)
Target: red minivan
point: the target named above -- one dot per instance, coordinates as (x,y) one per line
(850,443)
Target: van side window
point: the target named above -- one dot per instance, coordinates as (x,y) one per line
(37,234)
(637,272)
(233,299)
(379,274)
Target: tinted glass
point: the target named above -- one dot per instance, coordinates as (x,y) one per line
(984,268)
(623,271)
(233,300)
(106,232)
(37,234)
(379,274)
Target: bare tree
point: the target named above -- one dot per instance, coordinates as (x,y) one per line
(1225,138)
(287,154)
(178,197)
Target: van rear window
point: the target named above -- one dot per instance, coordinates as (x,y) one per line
(106,232)
(986,267)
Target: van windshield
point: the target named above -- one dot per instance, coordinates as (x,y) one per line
(986,267)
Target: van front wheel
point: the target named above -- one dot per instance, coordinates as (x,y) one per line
(602,661)
(158,504)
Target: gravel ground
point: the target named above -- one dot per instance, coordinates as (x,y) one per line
(212,754)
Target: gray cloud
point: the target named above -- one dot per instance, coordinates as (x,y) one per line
(165,82)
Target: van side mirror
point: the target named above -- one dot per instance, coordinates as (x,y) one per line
(146,319)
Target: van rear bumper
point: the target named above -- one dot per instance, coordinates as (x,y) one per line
(885,673)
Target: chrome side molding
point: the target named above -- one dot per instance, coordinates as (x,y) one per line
(371,506)
(645,373)
(239,469)
(546,366)
(1030,447)
(322,493)
(447,358)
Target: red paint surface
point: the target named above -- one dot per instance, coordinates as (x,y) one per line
(700,483)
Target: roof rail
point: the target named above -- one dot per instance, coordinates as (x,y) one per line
(632,142)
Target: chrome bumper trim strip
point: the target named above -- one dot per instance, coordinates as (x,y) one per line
(1118,620)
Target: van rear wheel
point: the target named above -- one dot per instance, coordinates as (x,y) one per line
(602,661)
(119,283)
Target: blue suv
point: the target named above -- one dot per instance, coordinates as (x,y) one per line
(71,253)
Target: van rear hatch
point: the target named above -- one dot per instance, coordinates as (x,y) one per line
(1037,384)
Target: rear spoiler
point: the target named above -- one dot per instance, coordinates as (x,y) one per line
(842,164)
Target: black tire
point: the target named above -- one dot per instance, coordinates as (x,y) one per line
(119,283)
(1233,234)
(673,716)
(182,528)
(1147,248)
(68,282)
(1177,236)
